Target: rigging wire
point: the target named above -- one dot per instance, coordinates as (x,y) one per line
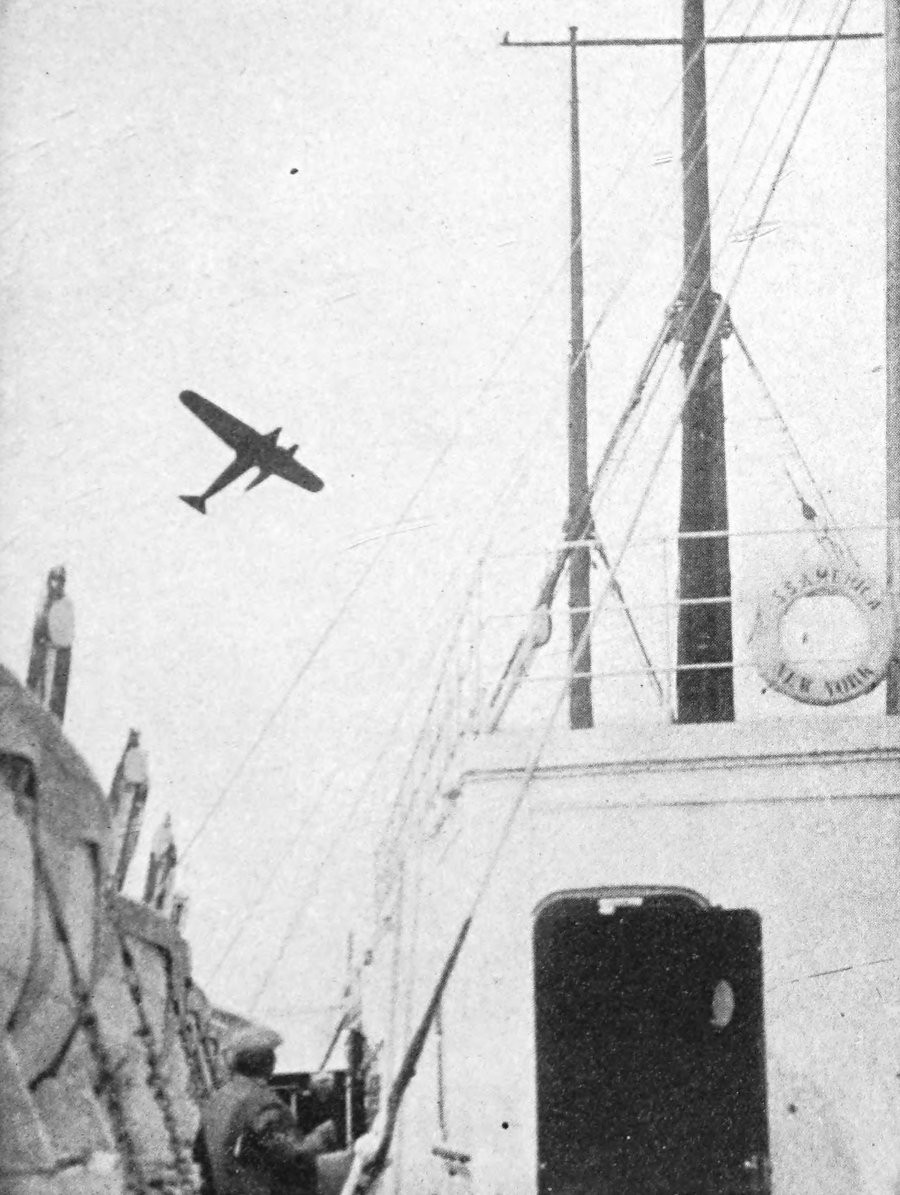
(520,466)
(308,661)
(364,575)
(639,255)
(411,941)
(638,394)
(656,387)
(389,739)
(715,206)
(765,158)
(495,372)
(311,890)
(365,787)
(576,528)
(713,331)
(614,570)
(794,447)
(361,790)
(273,874)
(332,624)
(645,245)
(326,634)
(347,601)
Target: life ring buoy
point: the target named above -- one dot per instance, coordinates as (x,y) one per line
(825,682)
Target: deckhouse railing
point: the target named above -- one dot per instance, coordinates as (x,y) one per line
(813,627)
(814,631)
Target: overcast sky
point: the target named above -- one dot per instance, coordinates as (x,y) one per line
(353,226)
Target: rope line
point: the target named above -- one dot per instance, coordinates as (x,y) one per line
(685,269)
(109,1085)
(638,396)
(273,874)
(522,463)
(320,870)
(454,437)
(729,170)
(184,1173)
(713,331)
(365,787)
(788,435)
(641,253)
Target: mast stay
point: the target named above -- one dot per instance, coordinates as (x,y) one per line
(700,320)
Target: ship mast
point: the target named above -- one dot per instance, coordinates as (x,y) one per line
(581,713)
(704,683)
(892,328)
(704,626)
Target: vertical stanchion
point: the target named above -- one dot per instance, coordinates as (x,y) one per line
(581,714)
(892,326)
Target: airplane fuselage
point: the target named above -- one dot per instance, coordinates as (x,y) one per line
(252,449)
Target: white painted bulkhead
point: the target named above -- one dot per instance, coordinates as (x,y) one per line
(798,819)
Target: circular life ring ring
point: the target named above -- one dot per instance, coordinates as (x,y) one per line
(825,682)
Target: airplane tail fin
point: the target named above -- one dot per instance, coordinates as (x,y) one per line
(196,502)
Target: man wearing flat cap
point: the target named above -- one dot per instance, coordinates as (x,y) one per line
(249,1143)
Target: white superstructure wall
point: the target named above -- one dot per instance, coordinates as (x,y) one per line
(799,821)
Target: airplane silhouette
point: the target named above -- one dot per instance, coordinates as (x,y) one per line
(252,449)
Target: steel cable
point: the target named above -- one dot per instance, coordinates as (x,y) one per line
(407,508)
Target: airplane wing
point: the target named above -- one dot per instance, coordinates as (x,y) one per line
(236,434)
(292,470)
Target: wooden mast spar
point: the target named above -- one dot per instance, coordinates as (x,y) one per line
(704,581)
(581,713)
(704,685)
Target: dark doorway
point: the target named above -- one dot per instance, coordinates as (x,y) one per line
(328,1095)
(650,1050)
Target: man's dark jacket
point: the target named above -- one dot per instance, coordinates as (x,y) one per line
(252,1145)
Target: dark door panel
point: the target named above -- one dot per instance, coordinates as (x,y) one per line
(650,1048)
